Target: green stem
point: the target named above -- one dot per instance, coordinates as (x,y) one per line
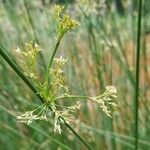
(60,36)
(72,96)
(80,96)
(73,131)
(49,66)
(137,73)
(35,91)
(51,60)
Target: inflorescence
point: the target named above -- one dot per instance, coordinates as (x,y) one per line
(57,89)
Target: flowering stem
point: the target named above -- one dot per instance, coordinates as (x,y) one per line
(35,91)
(73,96)
(81,96)
(50,64)
(53,55)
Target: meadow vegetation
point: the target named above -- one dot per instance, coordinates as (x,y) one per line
(69,75)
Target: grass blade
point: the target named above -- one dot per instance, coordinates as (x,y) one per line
(137,72)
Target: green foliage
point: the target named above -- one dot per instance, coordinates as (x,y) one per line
(100,52)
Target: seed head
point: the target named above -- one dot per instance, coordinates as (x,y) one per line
(111,89)
(64,22)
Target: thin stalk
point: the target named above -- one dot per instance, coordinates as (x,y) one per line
(80,96)
(137,72)
(51,60)
(73,96)
(50,64)
(69,127)
(35,91)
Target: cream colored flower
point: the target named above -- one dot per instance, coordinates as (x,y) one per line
(111,89)
(64,22)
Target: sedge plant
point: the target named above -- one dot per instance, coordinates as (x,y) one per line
(54,86)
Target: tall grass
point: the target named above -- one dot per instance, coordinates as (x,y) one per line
(101,52)
(137,73)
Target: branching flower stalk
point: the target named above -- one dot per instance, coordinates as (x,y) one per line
(28,82)
(64,24)
(54,87)
(29,116)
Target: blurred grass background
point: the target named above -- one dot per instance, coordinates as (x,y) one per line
(101,52)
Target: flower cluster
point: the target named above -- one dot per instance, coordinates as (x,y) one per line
(28,58)
(107,99)
(63,116)
(39,113)
(57,80)
(64,22)
(58,90)
(53,87)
